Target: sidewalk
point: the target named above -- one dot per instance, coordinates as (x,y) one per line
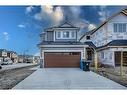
(66,78)
(14,66)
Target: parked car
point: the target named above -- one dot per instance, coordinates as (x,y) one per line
(7,62)
(0,66)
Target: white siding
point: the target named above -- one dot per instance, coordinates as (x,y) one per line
(108,57)
(106,33)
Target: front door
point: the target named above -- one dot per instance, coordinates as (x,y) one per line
(117,58)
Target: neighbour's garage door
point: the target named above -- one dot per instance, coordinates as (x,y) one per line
(62,60)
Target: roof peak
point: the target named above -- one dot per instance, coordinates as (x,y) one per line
(66,24)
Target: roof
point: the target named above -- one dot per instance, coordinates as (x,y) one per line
(3,50)
(61,43)
(90,44)
(64,25)
(11,52)
(124,12)
(115,43)
(87,33)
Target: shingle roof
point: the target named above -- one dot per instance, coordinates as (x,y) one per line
(115,43)
(61,43)
(90,44)
(3,50)
(64,25)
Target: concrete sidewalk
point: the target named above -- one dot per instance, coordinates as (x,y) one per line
(66,78)
(17,65)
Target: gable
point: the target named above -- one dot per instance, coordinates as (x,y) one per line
(67,25)
(119,18)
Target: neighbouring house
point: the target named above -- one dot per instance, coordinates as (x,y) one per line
(28,59)
(13,56)
(20,58)
(36,59)
(109,40)
(60,47)
(3,54)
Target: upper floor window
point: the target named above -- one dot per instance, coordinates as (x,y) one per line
(120,27)
(88,37)
(59,34)
(73,34)
(66,34)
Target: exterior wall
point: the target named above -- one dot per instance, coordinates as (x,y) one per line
(84,39)
(50,35)
(108,57)
(69,39)
(106,33)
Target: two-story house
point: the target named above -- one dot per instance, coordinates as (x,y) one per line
(60,47)
(13,56)
(109,40)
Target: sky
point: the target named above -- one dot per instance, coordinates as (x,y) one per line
(20,26)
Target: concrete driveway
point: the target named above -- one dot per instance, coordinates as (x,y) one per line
(66,78)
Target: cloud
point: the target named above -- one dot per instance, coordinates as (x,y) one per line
(55,15)
(103,13)
(37,54)
(91,26)
(29,9)
(50,13)
(21,26)
(6,36)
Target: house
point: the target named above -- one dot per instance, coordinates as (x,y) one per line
(60,47)
(3,54)
(20,58)
(13,56)
(28,59)
(109,40)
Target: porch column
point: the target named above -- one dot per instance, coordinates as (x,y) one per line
(95,60)
(42,59)
(121,65)
(84,54)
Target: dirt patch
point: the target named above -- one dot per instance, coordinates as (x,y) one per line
(112,74)
(9,78)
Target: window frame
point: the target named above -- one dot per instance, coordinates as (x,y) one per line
(87,37)
(120,27)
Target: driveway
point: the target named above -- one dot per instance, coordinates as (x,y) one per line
(66,78)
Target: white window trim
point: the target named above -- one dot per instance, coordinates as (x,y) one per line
(118,27)
(62,33)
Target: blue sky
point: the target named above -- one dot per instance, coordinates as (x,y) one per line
(20,26)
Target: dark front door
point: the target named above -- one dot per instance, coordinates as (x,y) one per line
(117,58)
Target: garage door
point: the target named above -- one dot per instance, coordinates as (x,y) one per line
(62,60)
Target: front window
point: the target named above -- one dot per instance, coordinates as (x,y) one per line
(66,34)
(120,27)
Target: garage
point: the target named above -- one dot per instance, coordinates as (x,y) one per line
(62,59)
